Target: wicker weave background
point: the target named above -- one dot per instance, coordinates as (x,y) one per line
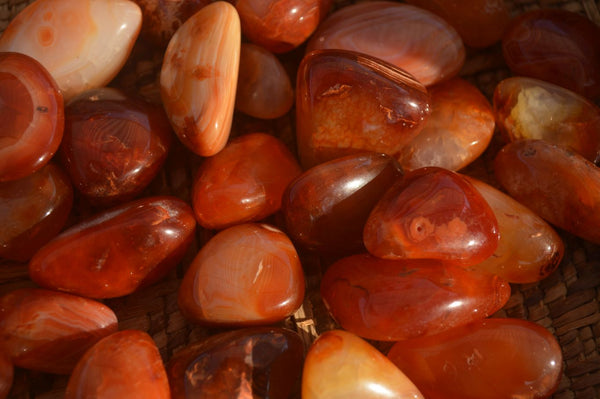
(566,302)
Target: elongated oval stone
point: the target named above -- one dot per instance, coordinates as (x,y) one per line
(199,75)
(341,365)
(82,43)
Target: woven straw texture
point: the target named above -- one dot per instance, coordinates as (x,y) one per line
(566,303)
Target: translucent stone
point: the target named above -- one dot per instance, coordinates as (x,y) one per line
(82,43)
(348,102)
(248,274)
(411,38)
(487,359)
(341,365)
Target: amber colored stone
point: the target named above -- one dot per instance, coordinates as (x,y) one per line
(392,300)
(559,185)
(6,375)
(411,38)
(248,274)
(348,102)
(264,88)
(458,130)
(49,331)
(31,116)
(528,108)
(244,182)
(341,365)
(117,251)
(432,213)
(487,359)
(198,78)
(280,25)
(113,145)
(259,362)
(556,46)
(480,23)
(125,364)
(529,249)
(33,210)
(325,209)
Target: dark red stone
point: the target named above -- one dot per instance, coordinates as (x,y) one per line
(6,375)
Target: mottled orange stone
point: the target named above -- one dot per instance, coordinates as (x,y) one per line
(487,359)
(125,364)
(6,375)
(49,331)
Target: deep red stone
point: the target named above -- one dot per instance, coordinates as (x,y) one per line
(49,331)
(260,362)
(556,46)
(113,145)
(33,210)
(6,375)
(31,116)
(325,209)
(432,213)
(117,251)
(125,364)
(244,182)
(487,359)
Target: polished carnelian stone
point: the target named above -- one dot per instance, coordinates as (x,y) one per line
(33,210)
(487,359)
(117,251)
(556,46)
(31,116)
(557,184)
(529,108)
(410,38)
(6,375)
(432,213)
(341,365)
(49,331)
(348,102)
(244,182)
(114,144)
(392,300)
(260,362)
(125,364)
(325,208)
(529,249)
(459,128)
(248,274)
(280,25)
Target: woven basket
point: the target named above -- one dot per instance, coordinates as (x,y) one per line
(566,302)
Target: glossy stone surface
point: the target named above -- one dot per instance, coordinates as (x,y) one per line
(458,130)
(480,23)
(114,144)
(280,25)
(248,274)
(432,213)
(125,364)
(199,76)
(559,185)
(244,182)
(33,210)
(325,209)
(348,102)
(487,359)
(82,43)
(117,251)
(513,260)
(409,37)
(264,88)
(528,108)
(49,331)
(260,362)
(341,365)
(6,375)
(31,116)
(392,300)
(556,46)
